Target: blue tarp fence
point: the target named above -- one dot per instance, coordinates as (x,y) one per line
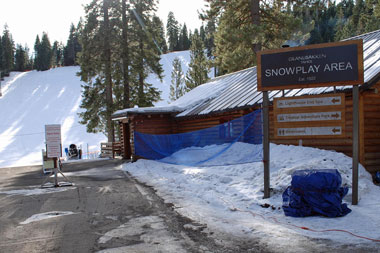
(315,192)
(207,146)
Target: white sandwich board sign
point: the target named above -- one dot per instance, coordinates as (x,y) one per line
(53,140)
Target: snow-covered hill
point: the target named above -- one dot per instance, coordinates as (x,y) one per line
(33,99)
(30,101)
(167,65)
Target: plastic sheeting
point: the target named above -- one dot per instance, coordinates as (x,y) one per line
(203,146)
(315,192)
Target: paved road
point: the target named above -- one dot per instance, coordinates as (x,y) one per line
(106,210)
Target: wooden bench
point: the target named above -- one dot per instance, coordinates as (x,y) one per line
(109,149)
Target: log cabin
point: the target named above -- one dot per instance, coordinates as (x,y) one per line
(233,95)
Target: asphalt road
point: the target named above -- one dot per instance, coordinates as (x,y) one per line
(106,210)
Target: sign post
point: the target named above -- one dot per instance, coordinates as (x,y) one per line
(54,150)
(321,65)
(355,146)
(266,144)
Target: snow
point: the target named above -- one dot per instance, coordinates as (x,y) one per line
(44,216)
(190,99)
(36,190)
(230,198)
(30,101)
(167,65)
(152,232)
(164,86)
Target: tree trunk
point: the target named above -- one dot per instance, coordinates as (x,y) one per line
(107,72)
(141,73)
(125,59)
(255,14)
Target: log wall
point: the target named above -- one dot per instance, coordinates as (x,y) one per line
(371,123)
(149,124)
(194,124)
(369,110)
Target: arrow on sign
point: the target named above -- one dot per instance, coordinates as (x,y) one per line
(335,130)
(335,100)
(335,115)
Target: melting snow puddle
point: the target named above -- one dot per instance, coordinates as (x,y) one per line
(36,191)
(44,216)
(152,233)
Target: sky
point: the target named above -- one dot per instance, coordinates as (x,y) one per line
(26,18)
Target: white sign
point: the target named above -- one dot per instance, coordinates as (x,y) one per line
(53,140)
(303,102)
(302,131)
(314,116)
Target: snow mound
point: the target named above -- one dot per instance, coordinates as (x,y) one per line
(230,198)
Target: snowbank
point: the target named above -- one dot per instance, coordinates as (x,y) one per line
(230,198)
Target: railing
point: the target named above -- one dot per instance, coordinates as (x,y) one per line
(110,149)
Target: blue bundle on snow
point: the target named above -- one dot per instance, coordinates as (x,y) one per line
(315,192)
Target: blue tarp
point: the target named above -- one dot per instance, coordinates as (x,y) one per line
(199,147)
(315,192)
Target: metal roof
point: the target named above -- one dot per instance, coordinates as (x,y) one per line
(242,88)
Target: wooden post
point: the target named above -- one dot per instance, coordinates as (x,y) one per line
(355,144)
(55,172)
(266,144)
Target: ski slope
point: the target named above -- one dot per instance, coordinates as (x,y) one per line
(30,100)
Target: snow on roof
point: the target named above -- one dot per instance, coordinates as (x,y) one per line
(239,89)
(146,110)
(194,97)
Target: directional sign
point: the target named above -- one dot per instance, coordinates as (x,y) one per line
(314,116)
(53,140)
(309,116)
(314,101)
(311,131)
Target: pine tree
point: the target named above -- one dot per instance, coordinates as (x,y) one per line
(177,88)
(21,58)
(197,73)
(184,41)
(172,31)
(7,51)
(209,42)
(158,33)
(96,63)
(121,50)
(260,25)
(72,46)
(147,59)
(42,53)
(125,53)
(37,60)
(57,54)
(45,52)
(202,34)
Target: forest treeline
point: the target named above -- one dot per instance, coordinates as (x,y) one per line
(119,42)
